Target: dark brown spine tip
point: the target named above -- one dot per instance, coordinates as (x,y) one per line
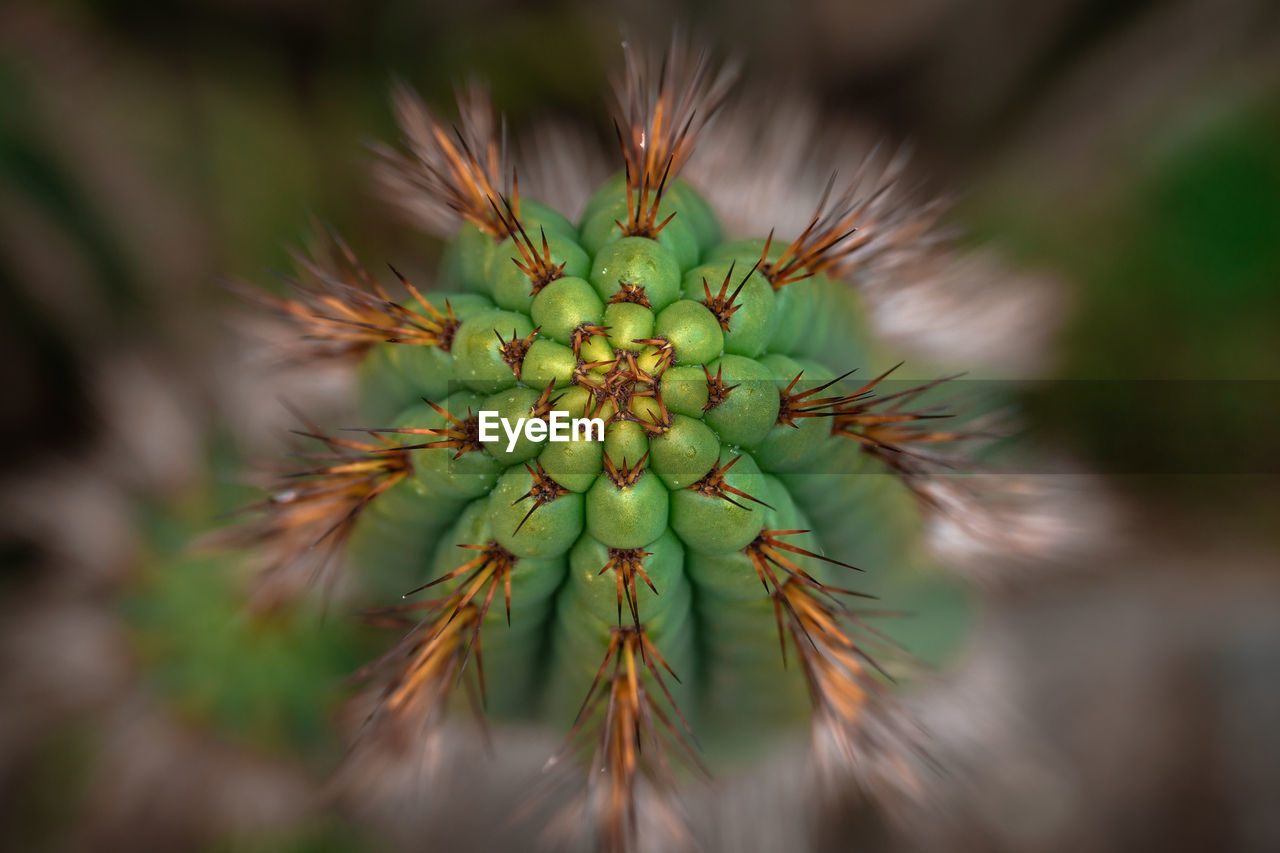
(461,434)
(514,350)
(724,304)
(584,333)
(886,428)
(771,557)
(624,476)
(714,485)
(535,260)
(794,405)
(666,355)
(628,565)
(545,404)
(717,391)
(543,491)
(627,292)
(657,422)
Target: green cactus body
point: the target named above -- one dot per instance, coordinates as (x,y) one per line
(636,581)
(681,490)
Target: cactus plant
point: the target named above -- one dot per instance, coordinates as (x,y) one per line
(672,591)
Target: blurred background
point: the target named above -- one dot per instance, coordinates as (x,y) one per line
(1130,150)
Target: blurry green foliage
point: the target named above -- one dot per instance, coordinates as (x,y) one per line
(266,680)
(317,836)
(1187,283)
(35,817)
(1177,260)
(1176,265)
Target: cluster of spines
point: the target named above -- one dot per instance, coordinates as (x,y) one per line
(616,386)
(340,310)
(634,725)
(723,305)
(461,171)
(311,512)
(663,110)
(660,125)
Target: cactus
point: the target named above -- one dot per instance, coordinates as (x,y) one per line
(682,587)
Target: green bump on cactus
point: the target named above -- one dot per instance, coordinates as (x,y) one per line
(511,283)
(640,262)
(685,452)
(627,506)
(448,475)
(478,360)
(564,306)
(692,532)
(740,297)
(533,515)
(692,330)
(748,404)
(720,512)
(628,323)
